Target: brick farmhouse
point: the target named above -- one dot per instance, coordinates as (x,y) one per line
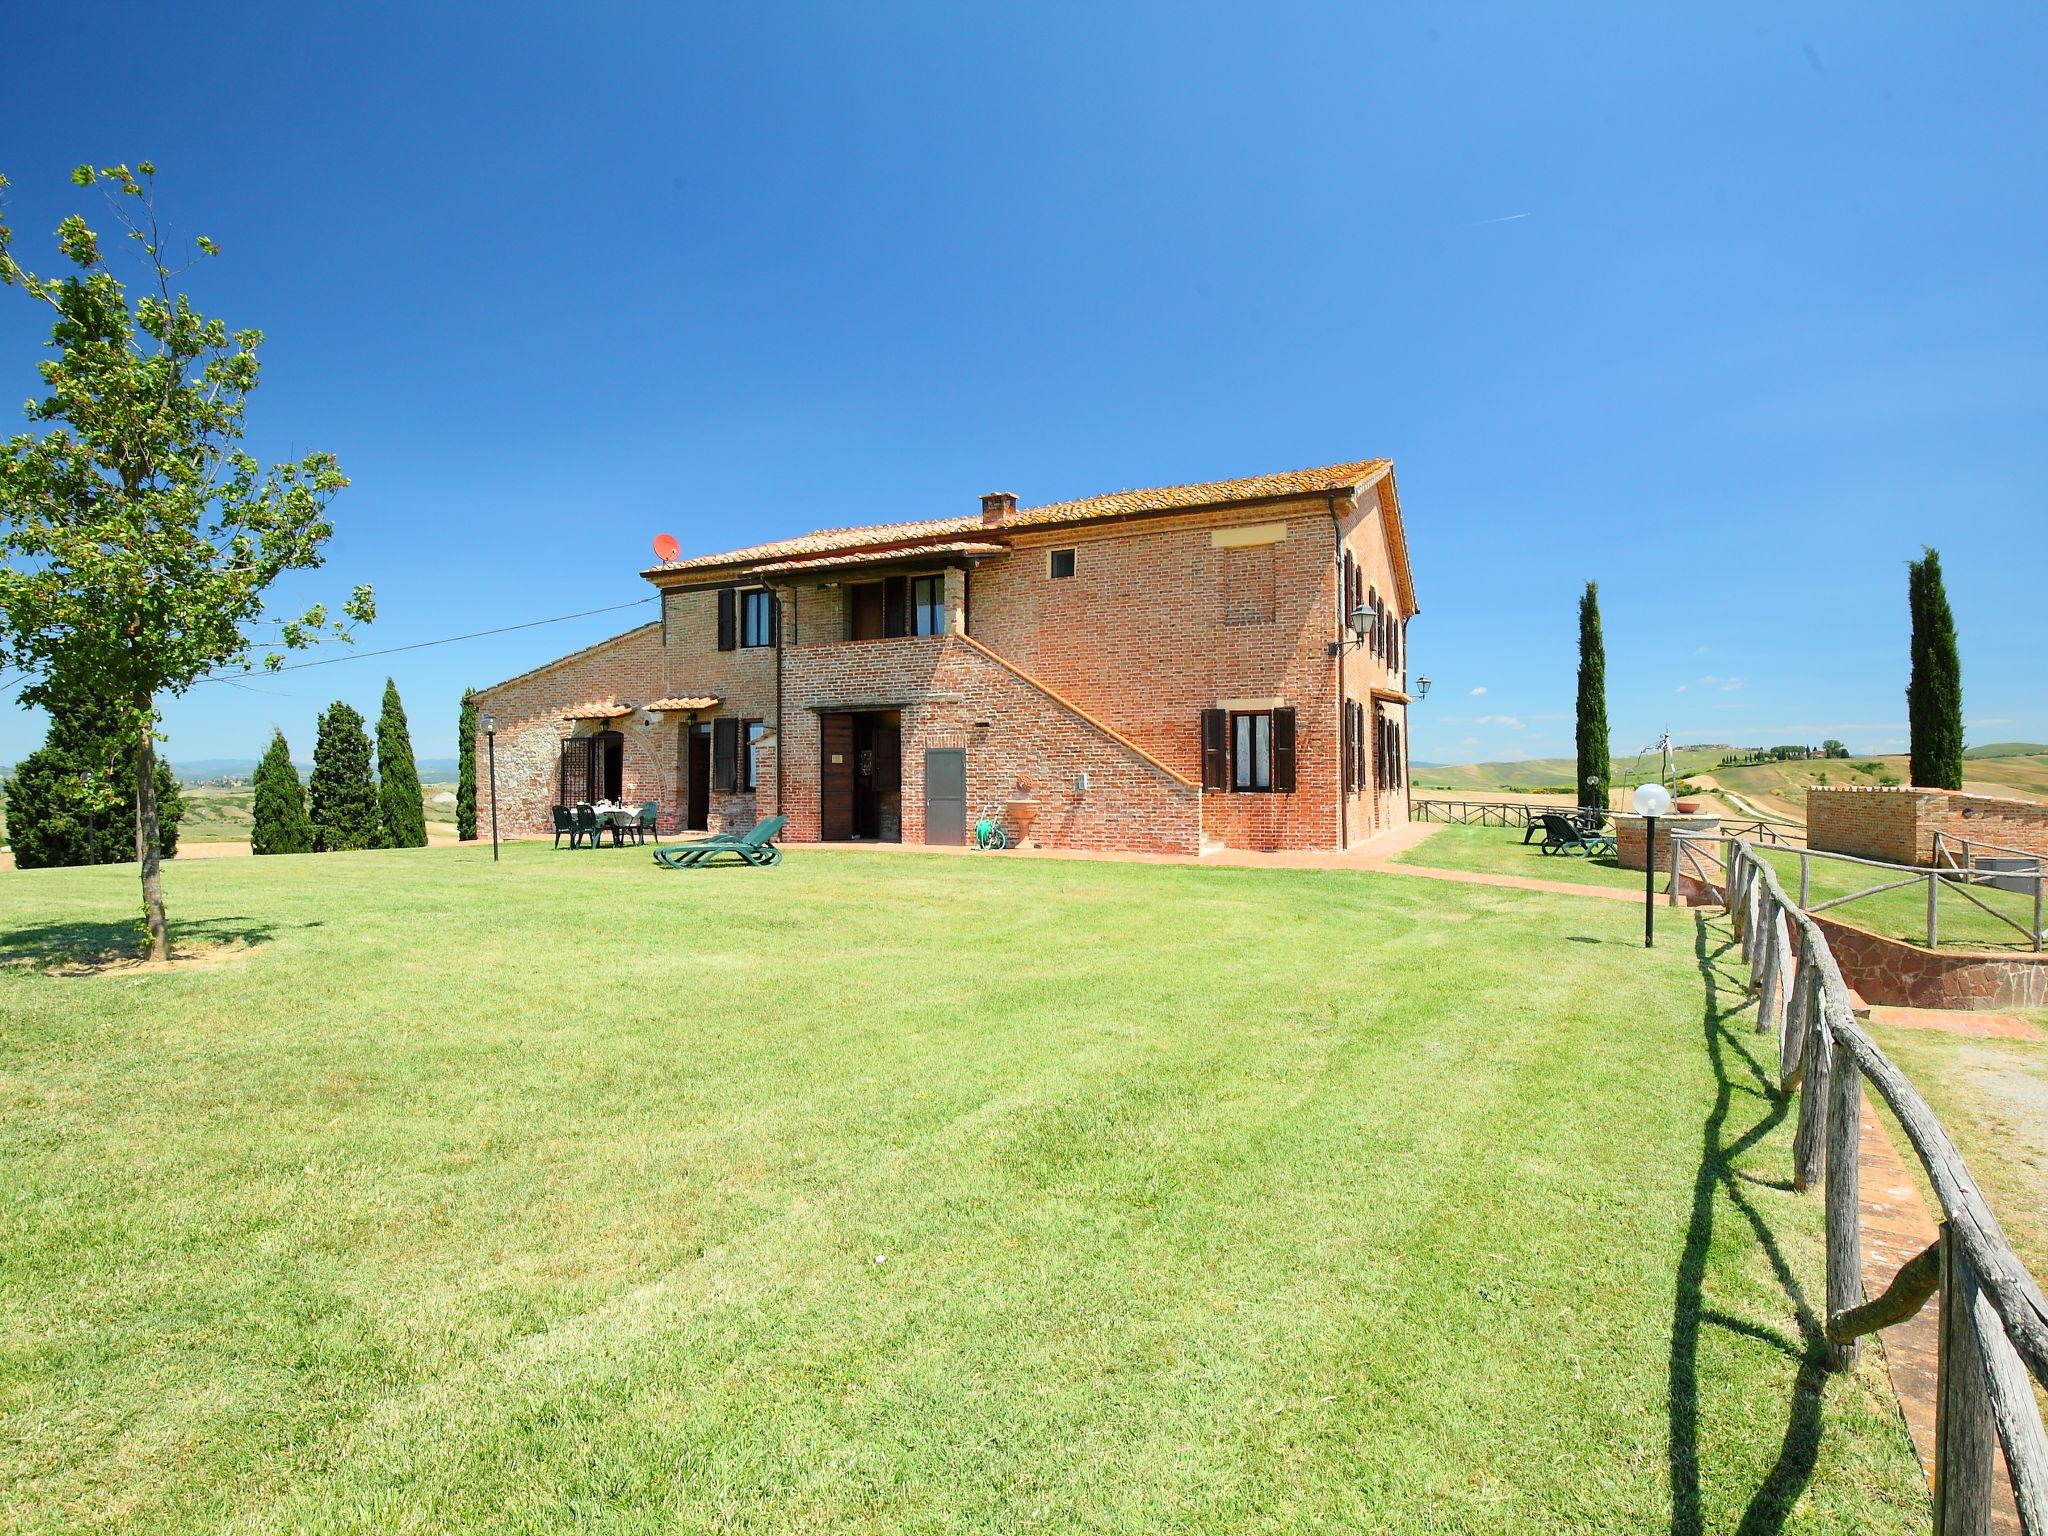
(1161,670)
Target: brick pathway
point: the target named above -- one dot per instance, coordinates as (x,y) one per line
(1896,1224)
(1982,1026)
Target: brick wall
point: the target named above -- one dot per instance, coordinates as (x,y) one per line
(951,695)
(1897,824)
(531,729)
(1161,621)
(1145,636)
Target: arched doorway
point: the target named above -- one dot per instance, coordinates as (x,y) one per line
(593,767)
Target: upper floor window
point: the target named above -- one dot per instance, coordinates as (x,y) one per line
(928,605)
(757,617)
(1060,563)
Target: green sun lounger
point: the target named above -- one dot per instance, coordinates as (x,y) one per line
(756,846)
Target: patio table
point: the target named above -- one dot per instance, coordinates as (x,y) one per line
(620,818)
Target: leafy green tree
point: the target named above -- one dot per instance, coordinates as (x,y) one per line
(401,810)
(343,791)
(137,538)
(465,771)
(73,800)
(1833,748)
(1592,730)
(1934,692)
(282,825)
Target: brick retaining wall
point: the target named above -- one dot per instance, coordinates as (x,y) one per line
(1897,824)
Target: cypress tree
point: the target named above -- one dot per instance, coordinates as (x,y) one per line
(1934,692)
(403,817)
(342,791)
(465,772)
(72,801)
(1592,737)
(282,825)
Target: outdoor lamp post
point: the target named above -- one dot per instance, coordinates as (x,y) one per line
(1422,687)
(490,725)
(1651,801)
(1592,801)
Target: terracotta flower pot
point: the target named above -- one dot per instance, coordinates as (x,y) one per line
(1687,807)
(1022,814)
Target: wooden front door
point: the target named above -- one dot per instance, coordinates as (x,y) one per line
(835,778)
(697,796)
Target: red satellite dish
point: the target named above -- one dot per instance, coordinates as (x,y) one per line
(666,548)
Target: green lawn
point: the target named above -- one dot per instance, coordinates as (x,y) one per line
(1899,913)
(1902,913)
(1501,851)
(900,1193)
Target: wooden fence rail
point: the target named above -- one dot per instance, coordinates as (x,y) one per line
(1994,1319)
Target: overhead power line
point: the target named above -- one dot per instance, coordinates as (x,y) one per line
(421,645)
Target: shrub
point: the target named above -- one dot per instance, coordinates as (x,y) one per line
(281,822)
(343,794)
(401,813)
(57,816)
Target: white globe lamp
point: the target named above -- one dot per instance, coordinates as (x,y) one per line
(1652,800)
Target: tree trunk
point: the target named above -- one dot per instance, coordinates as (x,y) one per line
(148,841)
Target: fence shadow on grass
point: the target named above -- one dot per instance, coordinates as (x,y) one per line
(88,948)
(1737,1071)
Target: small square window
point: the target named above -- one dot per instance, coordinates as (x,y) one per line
(1062,563)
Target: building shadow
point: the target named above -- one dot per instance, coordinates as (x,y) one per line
(1739,1080)
(86,947)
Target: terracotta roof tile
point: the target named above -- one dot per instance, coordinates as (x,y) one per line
(876,557)
(1164,498)
(688,701)
(597,709)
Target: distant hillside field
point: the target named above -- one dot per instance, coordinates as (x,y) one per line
(2019,769)
(219,815)
(1529,774)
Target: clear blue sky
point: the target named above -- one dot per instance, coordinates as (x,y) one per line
(1730,309)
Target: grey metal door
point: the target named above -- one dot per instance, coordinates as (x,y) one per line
(945,796)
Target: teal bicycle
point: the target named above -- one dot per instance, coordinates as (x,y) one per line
(989,835)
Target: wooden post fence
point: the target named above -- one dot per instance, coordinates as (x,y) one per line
(1994,1319)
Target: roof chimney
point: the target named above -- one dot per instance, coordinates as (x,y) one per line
(997,506)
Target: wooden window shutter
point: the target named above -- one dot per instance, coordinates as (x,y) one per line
(1357,728)
(895,603)
(725,754)
(728,629)
(1215,749)
(1344,768)
(774,617)
(1350,575)
(1283,751)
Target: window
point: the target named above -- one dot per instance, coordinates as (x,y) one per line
(756,729)
(1251,752)
(1061,563)
(1262,752)
(928,605)
(757,617)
